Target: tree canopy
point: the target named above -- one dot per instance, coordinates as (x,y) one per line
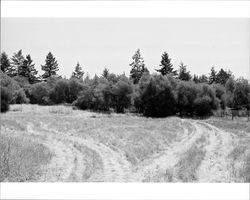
(138,67)
(166,65)
(50,67)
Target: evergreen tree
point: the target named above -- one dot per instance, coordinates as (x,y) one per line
(200,79)
(50,67)
(29,70)
(183,73)
(166,65)
(138,67)
(241,95)
(212,76)
(223,76)
(16,64)
(78,73)
(5,62)
(105,73)
(196,78)
(230,85)
(203,79)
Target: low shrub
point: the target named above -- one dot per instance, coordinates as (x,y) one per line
(19,97)
(60,92)
(40,94)
(202,106)
(158,98)
(5,99)
(84,101)
(187,92)
(121,95)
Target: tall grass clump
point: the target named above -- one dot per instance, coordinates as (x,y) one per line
(21,159)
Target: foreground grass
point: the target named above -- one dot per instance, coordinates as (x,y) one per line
(240,161)
(137,137)
(190,162)
(21,159)
(240,155)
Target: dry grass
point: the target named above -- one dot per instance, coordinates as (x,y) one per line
(240,155)
(186,168)
(240,162)
(238,126)
(245,170)
(137,137)
(16,108)
(21,159)
(189,162)
(60,110)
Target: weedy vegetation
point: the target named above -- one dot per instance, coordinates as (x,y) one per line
(21,159)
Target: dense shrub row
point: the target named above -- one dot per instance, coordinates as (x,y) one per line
(153,95)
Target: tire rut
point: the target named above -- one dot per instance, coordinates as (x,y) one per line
(169,157)
(80,159)
(214,167)
(70,162)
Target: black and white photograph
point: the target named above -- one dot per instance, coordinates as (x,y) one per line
(125,100)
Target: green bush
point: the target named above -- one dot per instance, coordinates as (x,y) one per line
(60,92)
(19,97)
(155,97)
(208,90)
(187,92)
(75,87)
(202,106)
(138,90)
(84,101)
(21,81)
(16,92)
(10,84)
(220,91)
(95,95)
(5,99)
(40,94)
(121,95)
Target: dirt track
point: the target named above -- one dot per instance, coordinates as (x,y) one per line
(79,159)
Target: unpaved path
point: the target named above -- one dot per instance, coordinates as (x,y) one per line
(167,158)
(215,166)
(80,159)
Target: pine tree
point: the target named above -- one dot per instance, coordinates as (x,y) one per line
(230,85)
(212,76)
(196,79)
(5,62)
(138,67)
(183,73)
(203,79)
(29,70)
(200,79)
(223,76)
(78,73)
(166,65)
(16,64)
(50,67)
(105,73)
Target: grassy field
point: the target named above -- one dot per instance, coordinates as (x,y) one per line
(73,145)
(21,159)
(240,154)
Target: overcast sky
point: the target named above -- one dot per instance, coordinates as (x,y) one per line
(111,42)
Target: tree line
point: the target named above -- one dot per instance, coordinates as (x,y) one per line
(163,93)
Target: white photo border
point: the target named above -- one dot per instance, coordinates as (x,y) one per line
(128,9)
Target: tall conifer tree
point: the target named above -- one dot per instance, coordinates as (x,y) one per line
(50,67)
